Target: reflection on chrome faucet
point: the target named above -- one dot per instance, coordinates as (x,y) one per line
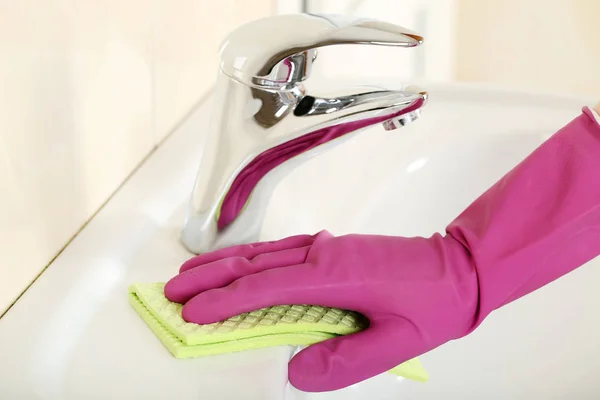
(264,120)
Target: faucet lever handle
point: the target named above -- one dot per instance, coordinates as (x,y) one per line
(278,51)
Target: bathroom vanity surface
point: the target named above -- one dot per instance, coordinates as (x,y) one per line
(73,334)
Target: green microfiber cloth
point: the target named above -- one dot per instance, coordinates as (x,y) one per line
(273,326)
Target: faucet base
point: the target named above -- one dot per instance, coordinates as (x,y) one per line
(202,231)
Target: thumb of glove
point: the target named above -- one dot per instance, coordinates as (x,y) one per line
(343,361)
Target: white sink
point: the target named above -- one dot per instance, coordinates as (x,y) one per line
(73,334)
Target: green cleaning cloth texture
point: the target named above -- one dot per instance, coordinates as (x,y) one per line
(274,326)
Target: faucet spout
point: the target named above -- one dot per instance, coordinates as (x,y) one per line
(262,128)
(369,103)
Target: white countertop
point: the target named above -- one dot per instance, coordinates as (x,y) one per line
(73,335)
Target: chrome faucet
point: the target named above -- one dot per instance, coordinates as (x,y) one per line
(265,120)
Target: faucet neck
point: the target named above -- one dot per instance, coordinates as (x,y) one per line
(246,180)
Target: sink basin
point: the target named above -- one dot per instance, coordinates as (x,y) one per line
(73,335)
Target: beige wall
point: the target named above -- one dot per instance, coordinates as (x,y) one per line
(87,89)
(546,45)
(549,45)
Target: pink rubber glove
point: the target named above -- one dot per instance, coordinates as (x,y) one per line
(536,224)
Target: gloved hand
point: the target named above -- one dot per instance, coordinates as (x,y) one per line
(536,224)
(417,293)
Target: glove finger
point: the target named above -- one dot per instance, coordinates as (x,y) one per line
(298,284)
(343,361)
(220,273)
(248,251)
